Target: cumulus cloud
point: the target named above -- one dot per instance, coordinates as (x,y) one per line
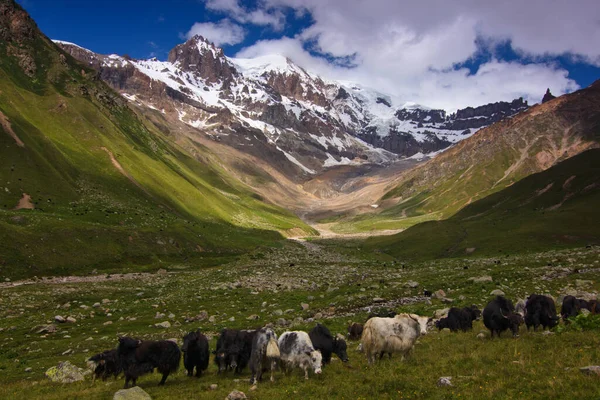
(224,32)
(412,49)
(270,16)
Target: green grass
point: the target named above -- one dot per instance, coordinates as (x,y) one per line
(556,208)
(532,366)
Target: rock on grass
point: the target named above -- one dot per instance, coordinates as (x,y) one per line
(135,393)
(65,372)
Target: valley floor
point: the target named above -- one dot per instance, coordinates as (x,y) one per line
(337,285)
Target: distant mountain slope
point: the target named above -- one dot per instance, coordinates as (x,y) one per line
(551,209)
(85,183)
(272,108)
(492,159)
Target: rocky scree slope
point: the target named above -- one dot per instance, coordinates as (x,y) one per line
(272,108)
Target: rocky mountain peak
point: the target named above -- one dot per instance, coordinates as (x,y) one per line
(15,24)
(198,55)
(548,96)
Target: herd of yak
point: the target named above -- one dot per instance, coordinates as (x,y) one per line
(263,351)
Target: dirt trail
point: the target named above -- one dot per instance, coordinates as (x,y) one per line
(25,203)
(5,123)
(79,279)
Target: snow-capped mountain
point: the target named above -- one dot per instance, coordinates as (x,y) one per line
(272,108)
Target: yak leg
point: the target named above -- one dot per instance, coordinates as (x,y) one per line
(127,381)
(273,366)
(164,378)
(198,372)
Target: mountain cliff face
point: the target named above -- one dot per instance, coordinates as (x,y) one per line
(274,109)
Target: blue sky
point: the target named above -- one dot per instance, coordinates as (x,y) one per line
(441,56)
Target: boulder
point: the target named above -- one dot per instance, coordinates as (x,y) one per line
(481,279)
(497,292)
(445,381)
(236,395)
(46,328)
(591,370)
(304,306)
(134,393)
(59,319)
(65,372)
(411,284)
(163,325)
(71,320)
(439,294)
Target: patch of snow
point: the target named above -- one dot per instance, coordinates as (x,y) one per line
(295,161)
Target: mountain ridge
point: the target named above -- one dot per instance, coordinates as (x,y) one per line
(328,121)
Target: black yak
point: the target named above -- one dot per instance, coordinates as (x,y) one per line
(499,315)
(323,341)
(570,307)
(195,353)
(540,310)
(234,348)
(355,331)
(139,357)
(106,364)
(459,319)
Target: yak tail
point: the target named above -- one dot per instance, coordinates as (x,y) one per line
(172,359)
(367,338)
(273,349)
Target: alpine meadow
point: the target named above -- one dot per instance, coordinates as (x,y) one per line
(299,200)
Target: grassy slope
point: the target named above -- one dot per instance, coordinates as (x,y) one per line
(534,366)
(170,207)
(491,160)
(523,217)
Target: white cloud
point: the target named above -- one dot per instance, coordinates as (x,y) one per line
(221,33)
(272,17)
(410,49)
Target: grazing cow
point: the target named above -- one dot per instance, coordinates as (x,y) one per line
(323,341)
(297,351)
(233,350)
(355,331)
(499,315)
(570,307)
(139,357)
(540,311)
(459,319)
(106,364)
(265,354)
(195,353)
(392,335)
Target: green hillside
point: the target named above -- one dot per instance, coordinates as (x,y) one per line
(108,190)
(487,162)
(552,209)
